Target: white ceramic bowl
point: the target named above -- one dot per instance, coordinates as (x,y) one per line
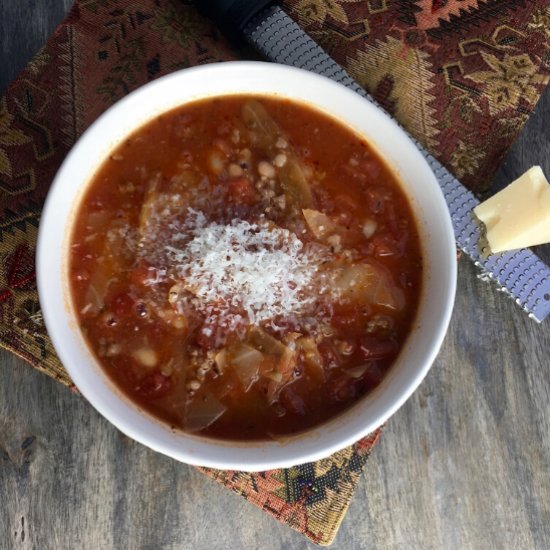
(176,89)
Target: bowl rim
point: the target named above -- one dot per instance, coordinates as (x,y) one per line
(50,308)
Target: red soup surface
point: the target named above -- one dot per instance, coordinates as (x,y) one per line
(245,267)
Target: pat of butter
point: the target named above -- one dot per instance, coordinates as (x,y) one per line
(519,215)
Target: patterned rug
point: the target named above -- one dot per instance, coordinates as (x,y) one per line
(461,75)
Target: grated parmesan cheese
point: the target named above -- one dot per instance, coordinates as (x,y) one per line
(259,269)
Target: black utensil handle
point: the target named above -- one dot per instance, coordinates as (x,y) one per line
(231,16)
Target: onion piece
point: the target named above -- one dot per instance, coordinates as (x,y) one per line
(202,411)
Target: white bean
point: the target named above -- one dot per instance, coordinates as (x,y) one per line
(216,161)
(113,349)
(280,160)
(266,169)
(146,356)
(193,385)
(369,228)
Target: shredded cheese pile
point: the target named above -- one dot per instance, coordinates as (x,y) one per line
(261,269)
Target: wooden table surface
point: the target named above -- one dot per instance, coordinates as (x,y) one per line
(464,464)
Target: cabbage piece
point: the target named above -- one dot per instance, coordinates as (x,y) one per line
(370,284)
(111,261)
(320,224)
(94,298)
(312,358)
(268,345)
(202,411)
(264,133)
(281,357)
(148,208)
(165,199)
(294,183)
(265,130)
(329,232)
(246,362)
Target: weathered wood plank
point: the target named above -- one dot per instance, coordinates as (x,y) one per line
(464,464)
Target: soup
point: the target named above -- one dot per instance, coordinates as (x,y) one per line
(245,267)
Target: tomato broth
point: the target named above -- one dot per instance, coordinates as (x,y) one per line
(245,267)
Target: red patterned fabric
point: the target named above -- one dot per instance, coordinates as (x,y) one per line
(461,75)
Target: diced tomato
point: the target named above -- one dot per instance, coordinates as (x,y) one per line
(241,191)
(154,386)
(374,348)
